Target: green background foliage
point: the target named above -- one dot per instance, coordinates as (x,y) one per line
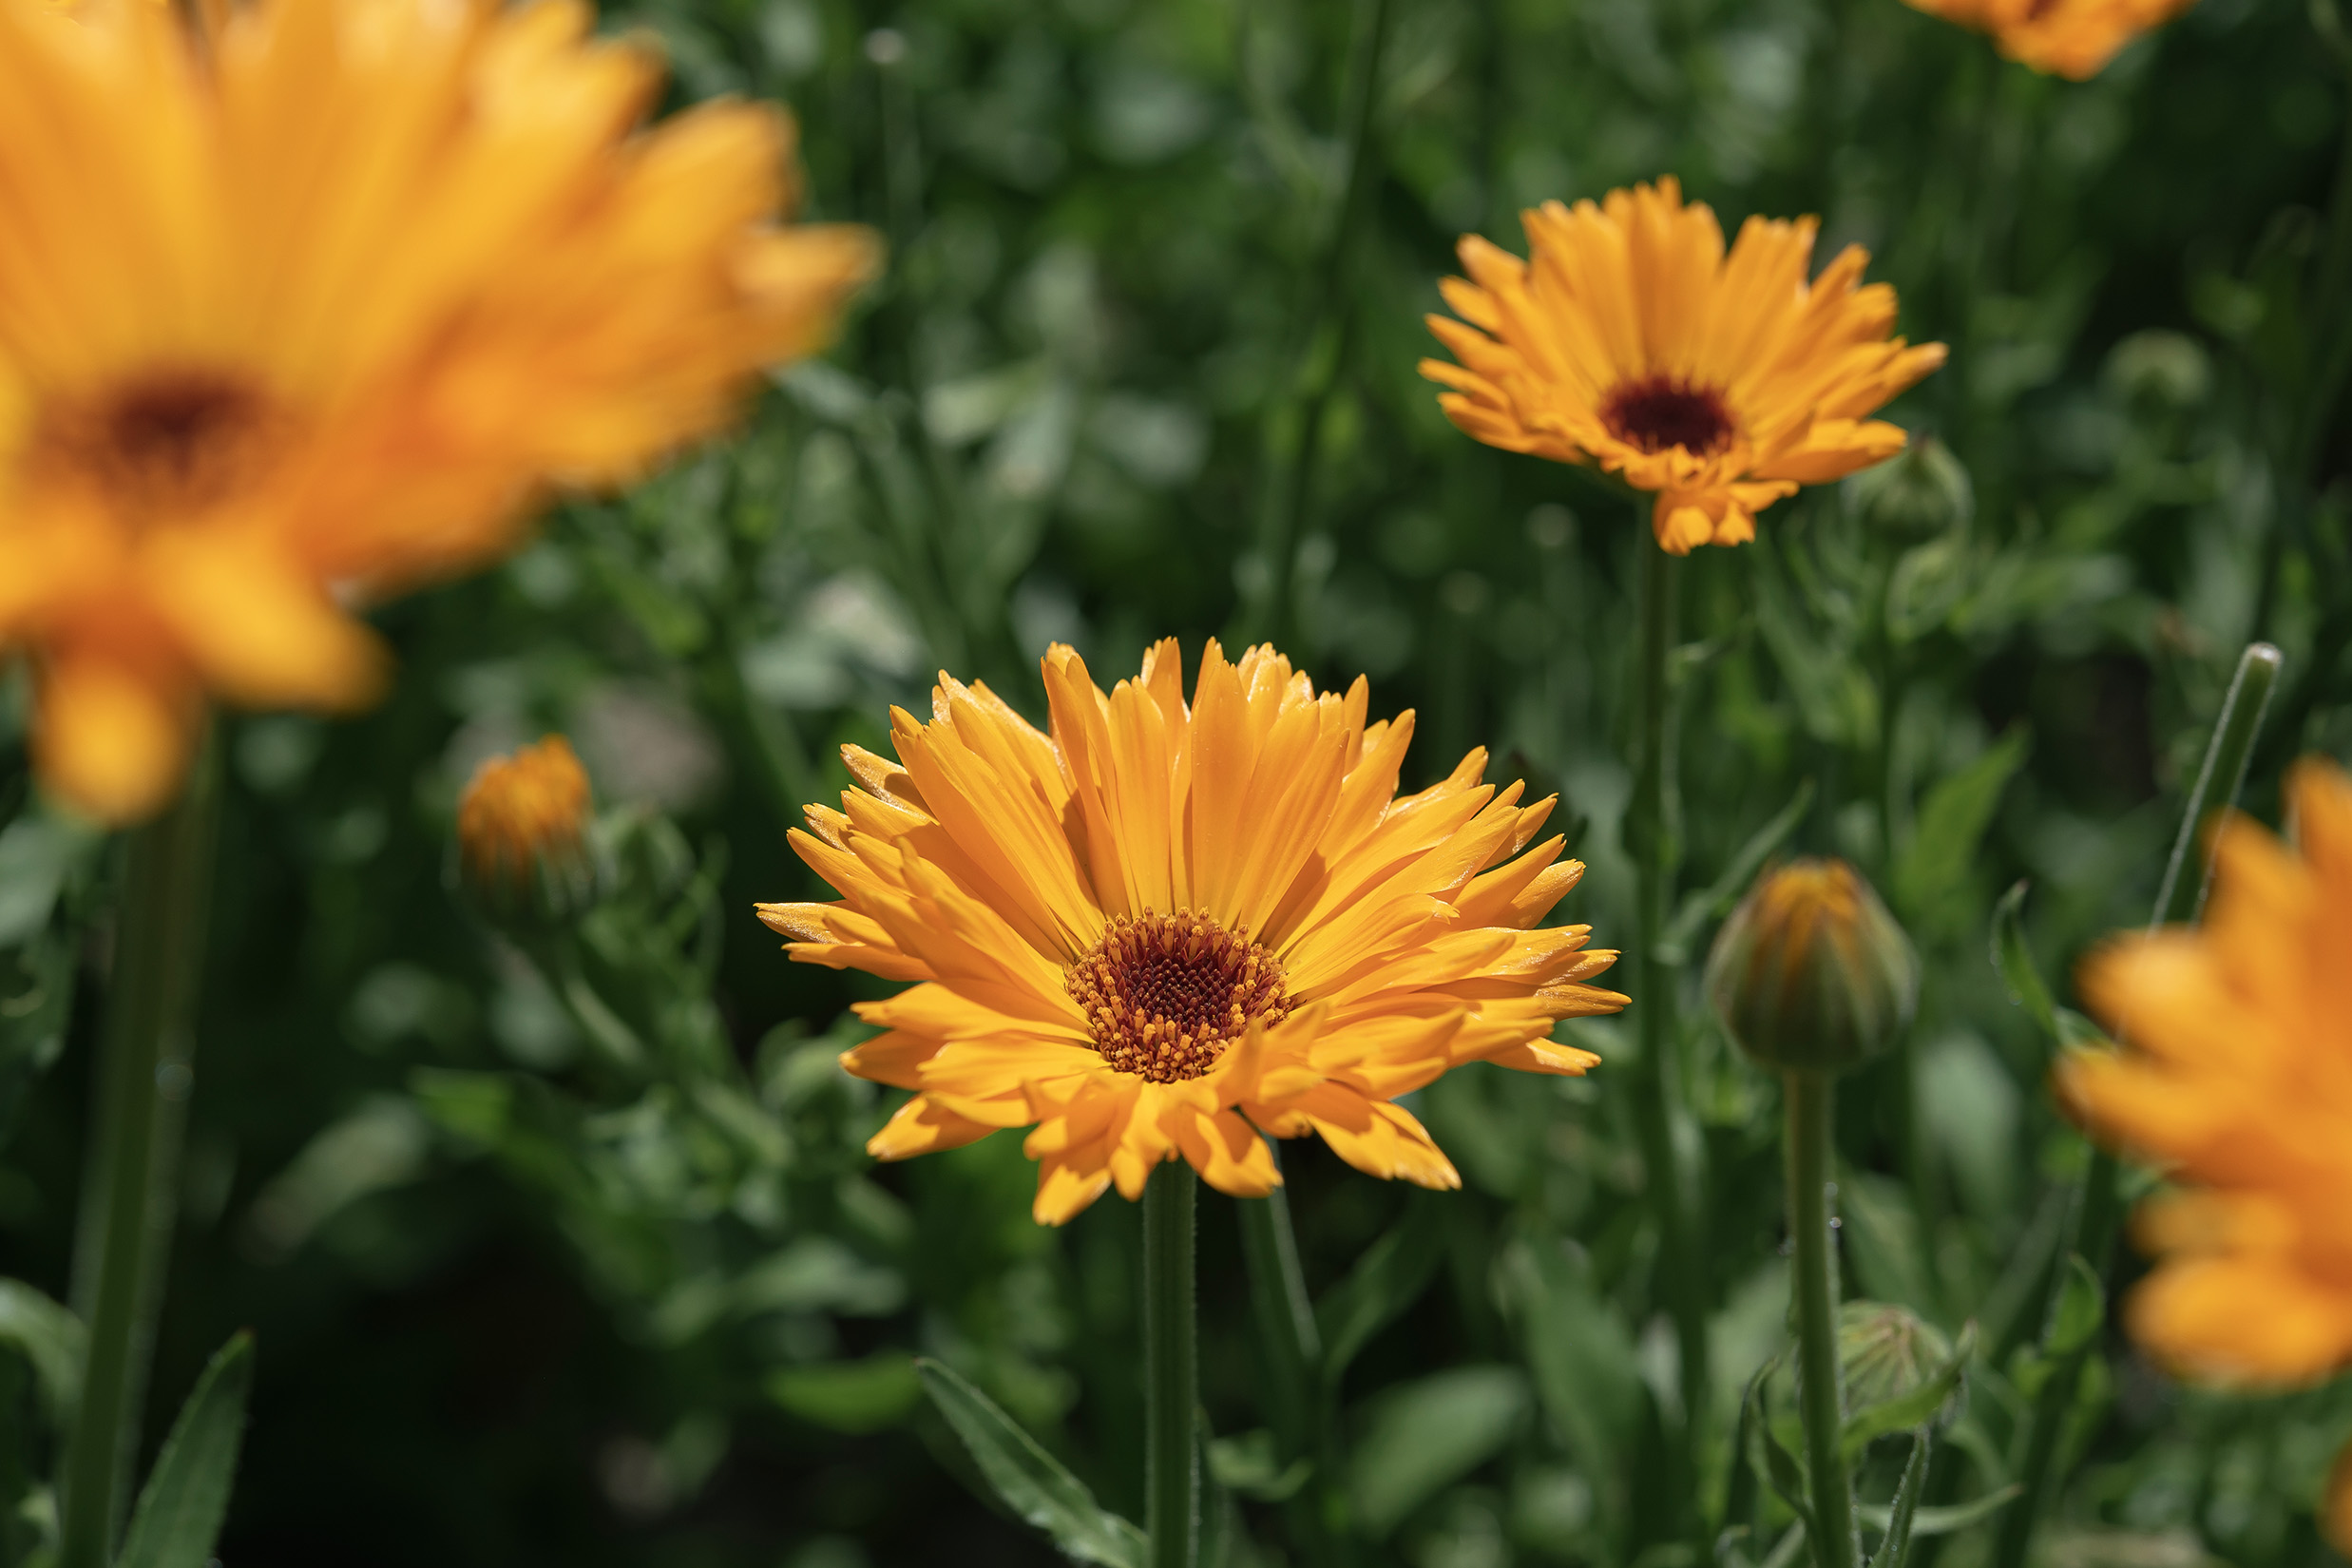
(562,1247)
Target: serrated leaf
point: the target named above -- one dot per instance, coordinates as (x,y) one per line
(2081,1308)
(1913,1407)
(1903,1510)
(1942,1521)
(1031,1482)
(1767,1456)
(2015,961)
(178,1517)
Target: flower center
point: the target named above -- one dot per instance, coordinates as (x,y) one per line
(1165,994)
(170,441)
(1659,412)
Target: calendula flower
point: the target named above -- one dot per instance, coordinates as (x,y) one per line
(1629,339)
(2070,38)
(307,302)
(2236,1080)
(524,814)
(1161,927)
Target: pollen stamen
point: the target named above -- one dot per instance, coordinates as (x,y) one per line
(1165,994)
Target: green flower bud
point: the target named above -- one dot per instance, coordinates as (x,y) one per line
(1810,971)
(1919,493)
(1889,1352)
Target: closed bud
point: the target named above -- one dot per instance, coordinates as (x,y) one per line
(1812,972)
(522,831)
(1889,1353)
(1919,493)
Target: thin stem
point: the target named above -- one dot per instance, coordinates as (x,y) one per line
(1295,1405)
(1649,836)
(130,1195)
(1171,1372)
(2099,1208)
(1807,1097)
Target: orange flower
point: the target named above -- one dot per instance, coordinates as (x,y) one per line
(1629,339)
(1161,926)
(522,812)
(2237,1081)
(2070,38)
(314,306)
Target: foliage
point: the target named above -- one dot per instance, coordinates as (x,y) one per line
(558,1241)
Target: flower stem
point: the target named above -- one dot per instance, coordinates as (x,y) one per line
(1649,836)
(2098,1208)
(1171,1373)
(1807,1097)
(129,1196)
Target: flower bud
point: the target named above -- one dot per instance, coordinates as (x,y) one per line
(1919,493)
(521,826)
(1810,971)
(1889,1352)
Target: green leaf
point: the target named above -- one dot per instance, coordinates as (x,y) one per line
(2015,961)
(2081,1308)
(1422,1437)
(1942,1522)
(51,1340)
(1577,1351)
(1250,1463)
(181,1508)
(1767,1456)
(1952,820)
(1716,901)
(849,1396)
(1031,1482)
(1388,1279)
(1903,1512)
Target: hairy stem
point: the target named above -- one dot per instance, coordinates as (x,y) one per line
(1807,1097)
(1170,1374)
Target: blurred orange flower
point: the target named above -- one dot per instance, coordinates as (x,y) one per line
(1162,927)
(312,307)
(1629,339)
(522,810)
(2070,38)
(2237,1081)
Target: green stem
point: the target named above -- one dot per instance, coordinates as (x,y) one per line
(1651,839)
(1807,1097)
(2098,1210)
(1170,1372)
(1293,1350)
(129,1196)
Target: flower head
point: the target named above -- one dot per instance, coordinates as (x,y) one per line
(1629,339)
(1810,971)
(1162,927)
(2237,1079)
(523,814)
(2070,38)
(354,283)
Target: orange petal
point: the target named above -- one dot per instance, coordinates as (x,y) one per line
(111,742)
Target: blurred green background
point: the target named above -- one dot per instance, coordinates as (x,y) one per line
(568,1253)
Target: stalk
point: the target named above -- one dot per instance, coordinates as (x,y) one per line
(1655,980)
(1171,1372)
(1806,1097)
(2098,1208)
(130,1193)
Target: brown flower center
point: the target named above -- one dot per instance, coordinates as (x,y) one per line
(1659,412)
(170,441)
(1165,994)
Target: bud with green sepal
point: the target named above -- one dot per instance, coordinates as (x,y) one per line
(1810,972)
